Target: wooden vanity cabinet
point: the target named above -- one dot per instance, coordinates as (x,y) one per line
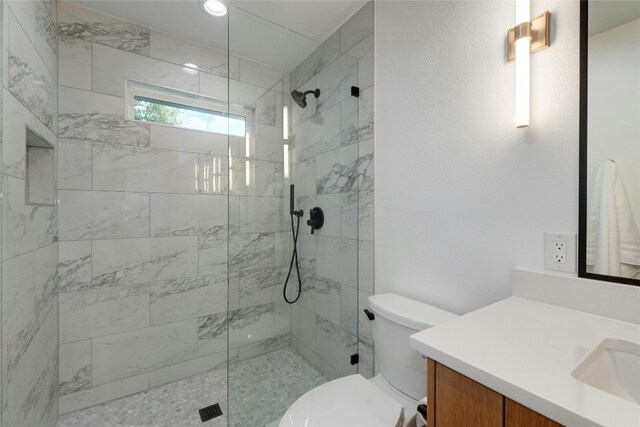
(455,400)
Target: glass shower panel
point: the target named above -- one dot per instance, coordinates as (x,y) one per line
(277,350)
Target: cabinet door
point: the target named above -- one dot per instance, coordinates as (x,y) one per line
(521,416)
(460,401)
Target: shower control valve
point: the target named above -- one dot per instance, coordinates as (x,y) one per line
(316,220)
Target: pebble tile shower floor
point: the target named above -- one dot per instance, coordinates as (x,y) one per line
(253,385)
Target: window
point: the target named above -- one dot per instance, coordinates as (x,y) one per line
(170,107)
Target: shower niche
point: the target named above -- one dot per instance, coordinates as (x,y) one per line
(40,178)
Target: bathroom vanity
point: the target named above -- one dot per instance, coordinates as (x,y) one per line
(523,363)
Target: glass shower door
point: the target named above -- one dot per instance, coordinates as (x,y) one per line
(308,144)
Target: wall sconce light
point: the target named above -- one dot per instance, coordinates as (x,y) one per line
(528,36)
(285,122)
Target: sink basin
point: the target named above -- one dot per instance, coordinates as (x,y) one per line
(614,367)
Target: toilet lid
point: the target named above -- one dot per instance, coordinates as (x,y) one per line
(349,401)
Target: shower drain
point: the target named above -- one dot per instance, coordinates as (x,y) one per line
(210,412)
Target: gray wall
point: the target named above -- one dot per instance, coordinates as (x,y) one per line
(29,230)
(333,168)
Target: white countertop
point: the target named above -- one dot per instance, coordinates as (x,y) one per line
(526,350)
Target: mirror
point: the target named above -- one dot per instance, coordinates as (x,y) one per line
(609,246)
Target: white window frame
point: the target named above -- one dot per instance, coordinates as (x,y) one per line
(134,88)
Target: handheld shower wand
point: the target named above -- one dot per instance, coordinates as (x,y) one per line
(294,256)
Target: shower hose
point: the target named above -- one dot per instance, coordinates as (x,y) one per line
(294,259)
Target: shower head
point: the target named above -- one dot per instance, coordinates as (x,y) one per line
(301,98)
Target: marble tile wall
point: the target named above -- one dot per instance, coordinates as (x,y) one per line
(144,285)
(332,152)
(28,237)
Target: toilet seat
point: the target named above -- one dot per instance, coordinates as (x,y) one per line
(349,401)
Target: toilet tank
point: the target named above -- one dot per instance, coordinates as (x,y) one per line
(397,317)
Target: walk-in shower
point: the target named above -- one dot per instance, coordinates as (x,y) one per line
(153,287)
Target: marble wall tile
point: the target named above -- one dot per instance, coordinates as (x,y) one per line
(180,51)
(95,117)
(321,133)
(181,299)
(31,390)
(179,139)
(365,165)
(187,215)
(19,323)
(215,87)
(366,215)
(46,42)
(357,27)
(74,164)
(303,325)
(262,75)
(25,13)
(74,265)
(129,353)
(316,361)
(337,170)
(349,215)
(25,227)
(349,312)
(128,168)
(349,126)
(261,286)
(365,267)
(304,177)
(260,214)
(335,345)
(263,347)
(96,312)
(313,64)
(251,251)
(212,251)
(212,334)
(75,366)
(365,114)
(264,100)
(251,324)
(103,393)
(86,215)
(322,296)
(269,143)
(337,259)
(111,66)
(29,80)
(335,81)
(74,65)
(282,320)
(85,24)
(182,370)
(46,276)
(364,52)
(213,174)
(128,261)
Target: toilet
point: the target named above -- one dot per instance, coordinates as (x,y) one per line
(390,398)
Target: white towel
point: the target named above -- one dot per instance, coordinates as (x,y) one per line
(613,239)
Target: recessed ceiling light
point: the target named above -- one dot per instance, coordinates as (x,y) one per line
(190,68)
(213,7)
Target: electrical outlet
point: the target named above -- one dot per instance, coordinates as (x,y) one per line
(560,252)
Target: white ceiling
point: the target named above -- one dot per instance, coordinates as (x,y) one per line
(605,15)
(275,32)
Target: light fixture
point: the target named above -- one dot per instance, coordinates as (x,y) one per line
(528,36)
(190,68)
(213,7)
(285,122)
